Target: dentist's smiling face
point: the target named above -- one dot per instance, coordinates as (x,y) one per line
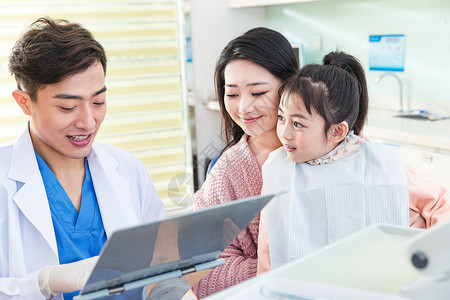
(66,116)
(251,97)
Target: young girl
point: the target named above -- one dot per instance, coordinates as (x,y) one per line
(331,182)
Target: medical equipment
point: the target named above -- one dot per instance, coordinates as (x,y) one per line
(394,262)
(429,254)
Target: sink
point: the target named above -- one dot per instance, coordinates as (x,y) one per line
(422,115)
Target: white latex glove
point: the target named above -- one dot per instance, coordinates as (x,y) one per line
(66,278)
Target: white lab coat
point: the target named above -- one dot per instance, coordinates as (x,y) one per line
(125,193)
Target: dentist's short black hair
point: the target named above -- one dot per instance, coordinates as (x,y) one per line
(50,51)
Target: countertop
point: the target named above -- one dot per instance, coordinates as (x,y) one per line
(383,125)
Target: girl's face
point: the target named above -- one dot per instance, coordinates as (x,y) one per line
(302,134)
(251,97)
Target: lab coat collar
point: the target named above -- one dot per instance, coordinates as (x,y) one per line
(31,197)
(112,190)
(22,158)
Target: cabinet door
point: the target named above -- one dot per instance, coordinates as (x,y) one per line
(428,164)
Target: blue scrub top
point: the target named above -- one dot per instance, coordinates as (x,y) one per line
(79,235)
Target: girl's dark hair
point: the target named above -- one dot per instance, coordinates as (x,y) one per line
(263,46)
(50,51)
(336,90)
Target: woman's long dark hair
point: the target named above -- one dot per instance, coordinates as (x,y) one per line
(263,46)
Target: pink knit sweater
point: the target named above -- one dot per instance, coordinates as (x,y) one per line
(235,175)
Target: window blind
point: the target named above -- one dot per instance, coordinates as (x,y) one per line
(147,107)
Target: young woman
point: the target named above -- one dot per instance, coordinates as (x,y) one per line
(248,74)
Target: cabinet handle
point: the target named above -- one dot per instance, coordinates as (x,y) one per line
(426,157)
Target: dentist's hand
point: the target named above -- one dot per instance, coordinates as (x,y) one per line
(66,278)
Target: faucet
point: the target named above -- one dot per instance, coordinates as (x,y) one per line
(399,84)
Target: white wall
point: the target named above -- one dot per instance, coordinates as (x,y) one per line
(213,25)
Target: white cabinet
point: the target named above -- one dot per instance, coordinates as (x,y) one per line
(428,164)
(424,145)
(249,3)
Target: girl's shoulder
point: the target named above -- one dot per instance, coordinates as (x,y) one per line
(277,163)
(278,156)
(277,172)
(381,149)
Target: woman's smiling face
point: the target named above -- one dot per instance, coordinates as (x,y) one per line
(251,96)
